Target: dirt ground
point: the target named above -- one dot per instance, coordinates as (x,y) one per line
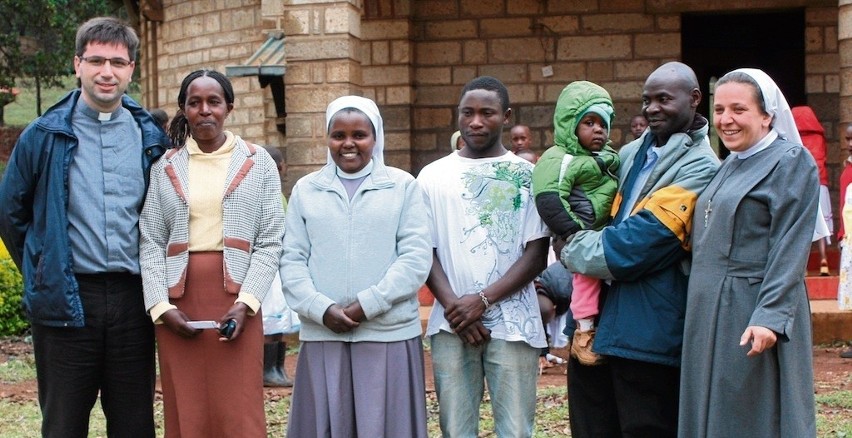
(830,371)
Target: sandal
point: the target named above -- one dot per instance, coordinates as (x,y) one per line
(823,269)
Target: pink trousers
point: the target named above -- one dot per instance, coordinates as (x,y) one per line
(585,296)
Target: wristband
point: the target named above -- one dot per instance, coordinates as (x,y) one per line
(484,300)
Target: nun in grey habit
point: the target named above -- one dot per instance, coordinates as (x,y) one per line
(747,366)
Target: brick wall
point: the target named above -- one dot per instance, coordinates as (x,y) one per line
(613,44)
(413,57)
(196,35)
(822,85)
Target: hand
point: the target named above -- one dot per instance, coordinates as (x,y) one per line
(355,312)
(761,339)
(176,320)
(475,334)
(238,312)
(464,311)
(336,319)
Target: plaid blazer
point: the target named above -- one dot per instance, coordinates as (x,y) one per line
(253,224)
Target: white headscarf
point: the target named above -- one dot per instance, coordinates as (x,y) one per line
(367,107)
(776,105)
(784,124)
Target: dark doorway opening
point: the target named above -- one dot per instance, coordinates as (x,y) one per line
(714,44)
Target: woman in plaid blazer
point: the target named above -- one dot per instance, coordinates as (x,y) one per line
(211,232)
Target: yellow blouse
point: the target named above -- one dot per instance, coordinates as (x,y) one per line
(207,174)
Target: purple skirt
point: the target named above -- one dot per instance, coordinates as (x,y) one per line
(363,389)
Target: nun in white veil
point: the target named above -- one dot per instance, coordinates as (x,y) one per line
(356,251)
(746,364)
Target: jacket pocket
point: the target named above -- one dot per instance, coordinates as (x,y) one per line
(177,257)
(39,270)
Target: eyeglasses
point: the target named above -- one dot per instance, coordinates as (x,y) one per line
(99,61)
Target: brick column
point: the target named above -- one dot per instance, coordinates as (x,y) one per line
(322,49)
(844,37)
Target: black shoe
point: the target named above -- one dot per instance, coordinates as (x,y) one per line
(846,354)
(271,372)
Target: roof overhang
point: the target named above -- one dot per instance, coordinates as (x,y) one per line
(269,65)
(268,60)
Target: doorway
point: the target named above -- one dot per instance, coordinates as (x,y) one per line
(714,44)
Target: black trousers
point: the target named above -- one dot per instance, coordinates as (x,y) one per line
(623,398)
(113,354)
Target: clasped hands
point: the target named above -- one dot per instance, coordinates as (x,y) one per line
(341,320)
(465,318)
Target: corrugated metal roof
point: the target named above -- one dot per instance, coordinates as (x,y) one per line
(268,60)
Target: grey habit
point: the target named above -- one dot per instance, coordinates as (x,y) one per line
(749,255)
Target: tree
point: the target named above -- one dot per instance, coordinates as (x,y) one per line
(37,39)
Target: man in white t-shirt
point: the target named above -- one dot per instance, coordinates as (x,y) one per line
(489,244)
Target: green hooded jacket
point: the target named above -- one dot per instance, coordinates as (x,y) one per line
(574,187)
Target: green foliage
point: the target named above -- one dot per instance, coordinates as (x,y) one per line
(37,38)
(12,318)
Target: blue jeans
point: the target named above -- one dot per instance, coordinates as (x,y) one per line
(509,368)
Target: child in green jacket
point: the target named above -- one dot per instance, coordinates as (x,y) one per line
(574,183)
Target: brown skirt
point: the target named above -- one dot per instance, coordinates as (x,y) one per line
(211,388)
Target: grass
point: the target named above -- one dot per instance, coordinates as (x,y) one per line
(18,369)
(20,417)
(23,110)
(834,410)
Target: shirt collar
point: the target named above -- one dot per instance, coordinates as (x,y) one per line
(359,174)
(94,114)
(757,147)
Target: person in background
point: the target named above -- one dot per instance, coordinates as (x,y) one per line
(456,142)
(278,319)
(844,290)
(553,289)
(644,254)
(813,138)
(521,138)
(211,240)
(747,336)
(355,254)
(638,123)
(69,215)
(161,117)
(574,184)
(488,246)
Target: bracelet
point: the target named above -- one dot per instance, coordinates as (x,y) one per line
(484,300)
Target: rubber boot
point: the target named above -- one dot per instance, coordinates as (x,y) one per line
(271,375)
(279,363)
